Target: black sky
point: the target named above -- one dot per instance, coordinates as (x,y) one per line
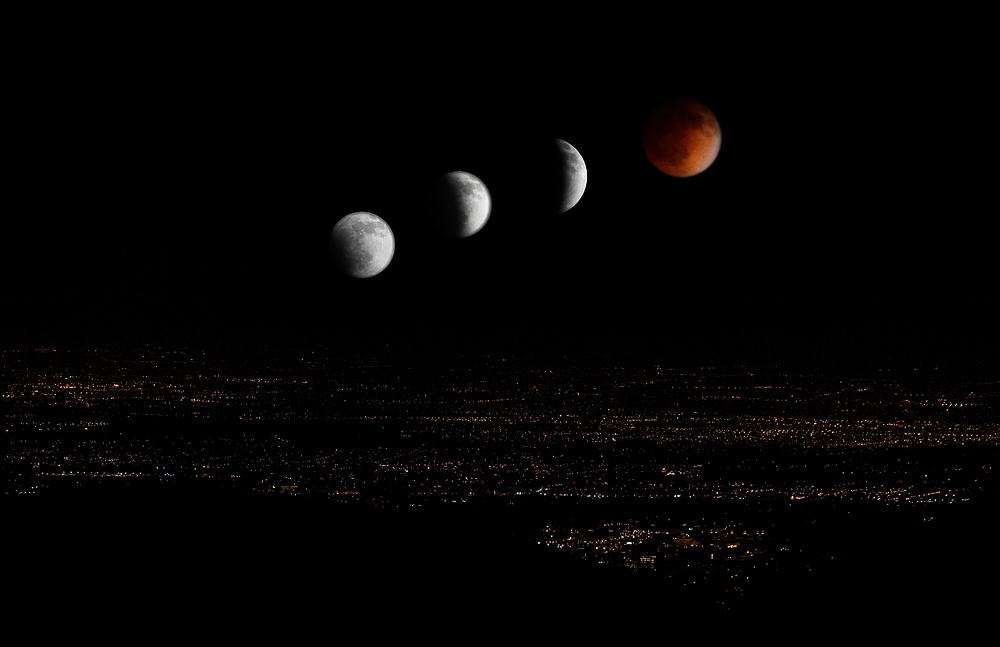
(180,187)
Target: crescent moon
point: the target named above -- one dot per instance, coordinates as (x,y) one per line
(574,176)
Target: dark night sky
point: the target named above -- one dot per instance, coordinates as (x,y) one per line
(181,187)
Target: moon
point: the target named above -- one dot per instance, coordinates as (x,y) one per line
(681,137)
(459,204)
(574,176)
(362,244)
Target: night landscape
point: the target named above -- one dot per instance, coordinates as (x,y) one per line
(767,390)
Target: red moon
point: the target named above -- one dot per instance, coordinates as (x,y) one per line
(682,137)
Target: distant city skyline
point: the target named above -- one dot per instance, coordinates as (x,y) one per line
(719,485)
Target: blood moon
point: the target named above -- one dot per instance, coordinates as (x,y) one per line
(681,137)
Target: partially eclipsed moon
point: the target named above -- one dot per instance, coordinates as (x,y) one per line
(362,244)
(460,204)
(682,137)
(574,176)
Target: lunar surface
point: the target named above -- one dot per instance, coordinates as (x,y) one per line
(362,244)
(459,204)
(682,137)
(574,180)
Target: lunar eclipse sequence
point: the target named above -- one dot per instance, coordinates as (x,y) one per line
(681,138)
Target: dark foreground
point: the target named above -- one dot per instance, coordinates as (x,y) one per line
(120,561)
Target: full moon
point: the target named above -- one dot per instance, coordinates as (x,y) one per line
(574,180)
(362,244)
(459,204)
(682,137)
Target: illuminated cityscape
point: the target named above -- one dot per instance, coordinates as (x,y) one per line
(698,477)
